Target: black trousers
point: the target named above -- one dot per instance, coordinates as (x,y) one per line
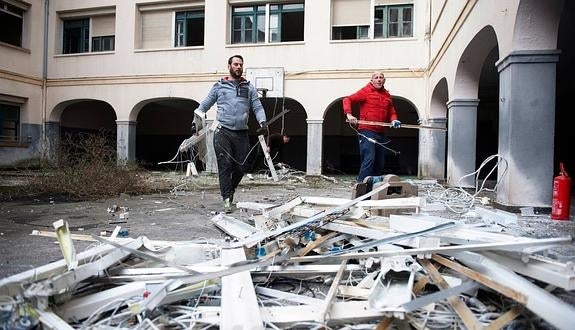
(231,149)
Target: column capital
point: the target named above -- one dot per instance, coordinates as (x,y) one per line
(126,122)
(435,122)
(472,103)
(314,121)
(528,56)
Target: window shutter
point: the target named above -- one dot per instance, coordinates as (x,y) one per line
(157,29)
(103,26)
(350,12)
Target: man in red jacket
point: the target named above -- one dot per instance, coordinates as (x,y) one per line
(375,105)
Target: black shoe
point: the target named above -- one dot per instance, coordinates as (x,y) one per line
(368,183)
(359,189)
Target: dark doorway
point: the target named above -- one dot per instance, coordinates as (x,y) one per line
(340,144)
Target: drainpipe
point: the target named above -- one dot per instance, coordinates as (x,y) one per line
(45,73)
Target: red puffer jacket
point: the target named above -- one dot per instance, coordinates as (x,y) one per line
(375,105)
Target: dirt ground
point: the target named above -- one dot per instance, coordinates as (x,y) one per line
(183,212)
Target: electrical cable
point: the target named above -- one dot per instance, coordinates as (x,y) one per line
(383,145)
(96,314)
(309,325)
(456,199)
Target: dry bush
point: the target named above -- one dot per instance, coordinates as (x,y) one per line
(86,168)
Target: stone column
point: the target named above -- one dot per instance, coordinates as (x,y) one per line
(526,127)
(51,142)
(314,146)
(432,150)
(461,138)
(125,141)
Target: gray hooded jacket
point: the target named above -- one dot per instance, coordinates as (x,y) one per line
(234,101)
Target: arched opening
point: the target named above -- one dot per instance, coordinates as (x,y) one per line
(340,144)
(487,111)
(87,117)
(291,123)
(471,125)
(433,157)
(564,133)
(162,125)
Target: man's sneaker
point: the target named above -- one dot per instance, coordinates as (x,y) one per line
(368,180)
(227,205)
(359,189)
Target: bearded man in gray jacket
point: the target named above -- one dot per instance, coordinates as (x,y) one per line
(235,96)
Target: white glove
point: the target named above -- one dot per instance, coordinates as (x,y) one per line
(199,119)
(351,119)
(396,124)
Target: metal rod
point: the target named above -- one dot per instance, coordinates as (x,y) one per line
(381,123)
(396,238)
(442,249)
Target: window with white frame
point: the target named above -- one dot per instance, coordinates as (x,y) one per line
(269,23)
(365,19)
(11,23)
(189,28)
(9,122)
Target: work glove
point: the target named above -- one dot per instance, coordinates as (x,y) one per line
(396,124)
(264,129)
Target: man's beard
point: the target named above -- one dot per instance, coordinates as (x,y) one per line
(235,75)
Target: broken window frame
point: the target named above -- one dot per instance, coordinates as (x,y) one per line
(189,28)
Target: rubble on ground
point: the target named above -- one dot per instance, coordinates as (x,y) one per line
(394,256)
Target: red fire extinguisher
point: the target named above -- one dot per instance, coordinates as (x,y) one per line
(561,195)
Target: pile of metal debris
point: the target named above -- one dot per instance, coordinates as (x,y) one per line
(376,260)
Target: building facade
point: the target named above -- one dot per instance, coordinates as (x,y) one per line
(485,70)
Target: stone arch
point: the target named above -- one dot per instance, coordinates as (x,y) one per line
(85,116)
(439,98)
(135,111)
(536,25)
(69,120)
(56,113)
(467,129)
(471,62)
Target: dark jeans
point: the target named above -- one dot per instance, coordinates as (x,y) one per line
(231,149)
(372,155)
